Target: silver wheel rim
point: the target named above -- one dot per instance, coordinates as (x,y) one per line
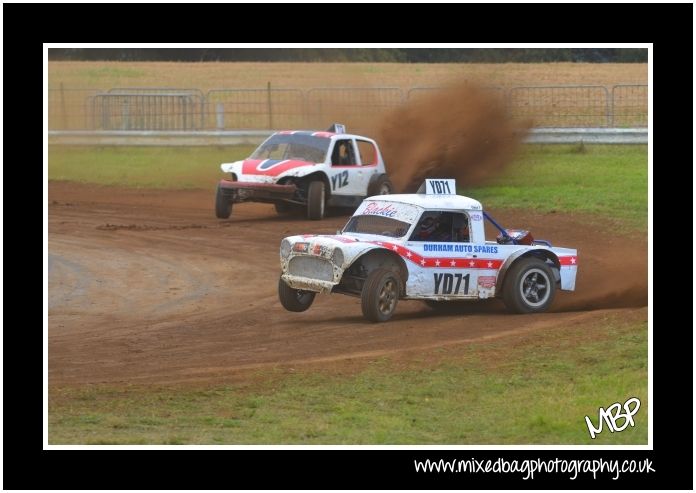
(387,297)
(535,287)
(384,189)
(321,205)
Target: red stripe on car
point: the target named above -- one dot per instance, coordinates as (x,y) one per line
(251,167)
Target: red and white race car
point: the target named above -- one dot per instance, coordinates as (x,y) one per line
(429,246)
(305,168)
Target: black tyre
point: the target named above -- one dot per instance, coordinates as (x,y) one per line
(294,300)
(381,186)
(380,294)
(529,286)
(316,200)
(223,203)
(282,207)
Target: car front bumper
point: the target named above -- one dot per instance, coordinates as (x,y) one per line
(308,284)
(241,191)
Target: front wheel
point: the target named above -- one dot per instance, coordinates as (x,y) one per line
(316,201)
(380,294)
(381,186)
(223,204)
(529,286)
(294,300)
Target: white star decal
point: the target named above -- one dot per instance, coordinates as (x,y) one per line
(395,248)
(453,263)
(379,242)
(472,263)
(572,260)
(437,263)
(408,254)
(490,264)
(422,261)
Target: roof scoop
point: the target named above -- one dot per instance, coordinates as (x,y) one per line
(337,128)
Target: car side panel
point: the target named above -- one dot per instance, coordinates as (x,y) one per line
(568,258)
(450,270)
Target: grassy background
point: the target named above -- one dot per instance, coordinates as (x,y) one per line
(611,181)
(143,167)
(533,389)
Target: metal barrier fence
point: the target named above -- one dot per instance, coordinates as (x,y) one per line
(629,106)
(68,109)
(416,92)
(255,108)
(139,108)
(358,107)
(255,137)
(558,106)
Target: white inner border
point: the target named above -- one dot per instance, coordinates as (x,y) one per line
(649,408)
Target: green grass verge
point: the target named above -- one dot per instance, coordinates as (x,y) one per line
(532,390)
(143,167)
(611,181)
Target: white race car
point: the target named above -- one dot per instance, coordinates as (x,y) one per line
(429,246)
(305,168)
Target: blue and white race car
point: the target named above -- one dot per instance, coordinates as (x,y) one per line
(429,246)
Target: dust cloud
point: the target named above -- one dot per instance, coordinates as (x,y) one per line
(614,277)
(461,132)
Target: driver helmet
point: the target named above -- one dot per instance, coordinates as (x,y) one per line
(428,226)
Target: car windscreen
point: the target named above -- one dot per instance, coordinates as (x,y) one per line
(377,225)
(294,146)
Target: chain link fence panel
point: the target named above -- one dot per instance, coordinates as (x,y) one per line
(357,107)
(560,106)
(69,109)
(629,105)
(142,110)
(162,108)
(254,109)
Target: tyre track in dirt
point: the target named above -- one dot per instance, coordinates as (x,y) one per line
(169,293)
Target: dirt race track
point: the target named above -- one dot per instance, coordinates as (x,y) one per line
(148,287)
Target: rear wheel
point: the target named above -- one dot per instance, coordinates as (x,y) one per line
(529,286)
(316,201)
(381,186)
(380,294)
(294,300)
(223,203)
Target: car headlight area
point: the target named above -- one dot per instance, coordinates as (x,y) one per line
(337,257)
(284,248)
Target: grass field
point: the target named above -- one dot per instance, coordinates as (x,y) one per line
(212,75)
(535,389)
(143,167)
(610,181)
